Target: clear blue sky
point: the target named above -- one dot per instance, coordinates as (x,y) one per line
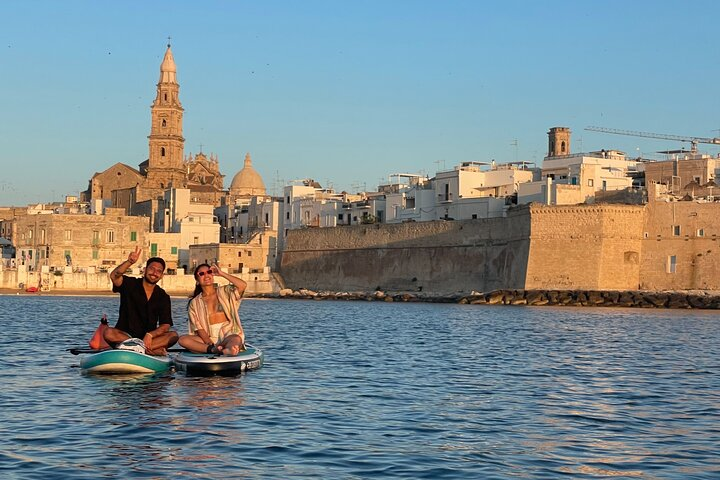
(345,92)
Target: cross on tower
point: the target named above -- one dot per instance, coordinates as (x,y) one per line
(169,38)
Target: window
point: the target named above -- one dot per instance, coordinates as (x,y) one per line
(42,236)
(173,250)
(474,216)
(96,237)
(196,240)
(671,264)
(340,216)
(239,254)
(162,151)
(267,219)
(164,123)
(701,232)
(287,216)
(30,234)
(676,230)
(591,182)
(110,236)
(95,253)
(249,253)
(133,236)
(153,250)
(68,235)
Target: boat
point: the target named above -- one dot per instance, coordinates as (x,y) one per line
(212,364)
(124,361)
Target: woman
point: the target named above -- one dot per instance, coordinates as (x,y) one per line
(213,318)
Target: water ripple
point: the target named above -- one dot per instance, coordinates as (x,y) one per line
(373,390)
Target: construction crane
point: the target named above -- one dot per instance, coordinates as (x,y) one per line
(693,140)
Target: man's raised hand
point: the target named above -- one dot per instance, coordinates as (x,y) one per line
(133,257)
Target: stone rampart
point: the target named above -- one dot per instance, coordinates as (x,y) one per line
(585,247)
(681,246)
(535,247)
(438,256)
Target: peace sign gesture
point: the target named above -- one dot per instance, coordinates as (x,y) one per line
(133,257)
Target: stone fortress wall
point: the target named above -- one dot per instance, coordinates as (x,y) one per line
(585,247)
(689,232)
(593,247)
(439,256)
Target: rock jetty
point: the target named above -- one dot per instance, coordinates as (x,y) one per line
(575,298)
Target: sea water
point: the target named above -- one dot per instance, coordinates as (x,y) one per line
(373,390)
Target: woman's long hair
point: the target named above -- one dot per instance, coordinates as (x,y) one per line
(198,288)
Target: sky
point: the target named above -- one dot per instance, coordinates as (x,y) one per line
(346,92)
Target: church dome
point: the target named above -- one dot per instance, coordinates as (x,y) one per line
(247,181)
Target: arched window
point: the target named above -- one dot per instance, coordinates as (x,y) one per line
(562,147)
(162,151)
(166,97)
(164,123)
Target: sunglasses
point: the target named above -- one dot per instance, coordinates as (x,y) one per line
(202,274)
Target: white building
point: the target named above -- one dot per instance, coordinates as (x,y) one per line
(195,222)
(470,190)
(577,178)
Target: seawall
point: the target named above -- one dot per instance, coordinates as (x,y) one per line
(438,256)
(12,280)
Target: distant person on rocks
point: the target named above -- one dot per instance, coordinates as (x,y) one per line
(213,318)
(145,312)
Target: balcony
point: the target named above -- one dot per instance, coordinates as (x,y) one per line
(445,197)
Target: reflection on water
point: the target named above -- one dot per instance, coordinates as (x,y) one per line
(362,390)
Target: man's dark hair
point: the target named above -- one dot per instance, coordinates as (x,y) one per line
(155,260)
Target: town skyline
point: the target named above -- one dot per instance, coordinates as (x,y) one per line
(362,92)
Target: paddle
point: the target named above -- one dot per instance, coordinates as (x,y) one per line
(78,351)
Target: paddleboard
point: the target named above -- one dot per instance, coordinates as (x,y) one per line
(211,364)
(124,361)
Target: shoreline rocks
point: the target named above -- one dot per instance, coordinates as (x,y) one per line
(536,298)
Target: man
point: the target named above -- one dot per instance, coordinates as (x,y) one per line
(145,311)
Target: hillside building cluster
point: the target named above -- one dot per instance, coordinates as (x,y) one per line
(176,205)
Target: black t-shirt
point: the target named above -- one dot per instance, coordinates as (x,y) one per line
(138,315)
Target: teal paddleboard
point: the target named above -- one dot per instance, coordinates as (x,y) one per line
(124,361)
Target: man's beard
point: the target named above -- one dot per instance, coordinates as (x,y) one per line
(151,282)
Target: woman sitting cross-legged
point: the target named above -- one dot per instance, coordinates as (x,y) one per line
(213,318)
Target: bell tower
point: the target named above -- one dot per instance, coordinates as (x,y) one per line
(165,161)
(558,141)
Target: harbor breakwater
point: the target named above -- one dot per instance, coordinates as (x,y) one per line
(575,298)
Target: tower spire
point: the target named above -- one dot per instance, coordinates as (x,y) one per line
(168,70)
(166,143)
